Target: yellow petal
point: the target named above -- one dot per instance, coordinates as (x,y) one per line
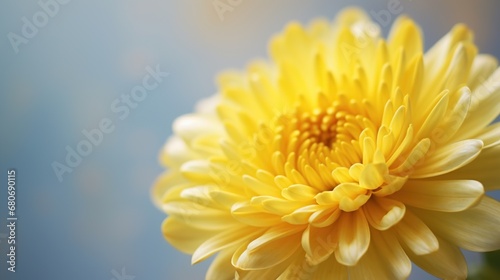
(354,237)
(191,126)
(349,204)
(165,182)
(434,117)
(395,259)
(258,187)
(273,234)
(454,119)
(447,262)
(200,194)
(437,59)
(481,169)
(476,229)
(184,237)
(372,175)
(405,165)
(348,196)
(446,196)
(275,272)
(383,213)
(299,192)
(223,240)
(490,135)
(221,268)
(199,216)
(405,33)
(331,267)
(448,158)
(197,170)
(319,243)
(414,234)
(268,250)
(296,267)
(484,107)
(460,65)
(371,266)
(325,217)
(175,152)
(302,215)
(482,67)
(225,199)
(279,206)
(254,215)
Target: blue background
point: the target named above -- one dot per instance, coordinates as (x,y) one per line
(100,217)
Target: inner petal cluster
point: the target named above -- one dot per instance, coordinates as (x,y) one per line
(328,161)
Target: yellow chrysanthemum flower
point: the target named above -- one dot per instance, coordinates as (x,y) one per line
(344,157)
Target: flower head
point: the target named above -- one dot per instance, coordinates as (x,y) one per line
(345,155)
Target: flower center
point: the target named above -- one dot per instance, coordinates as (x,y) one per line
(324,161)
(318,160)
(324,138)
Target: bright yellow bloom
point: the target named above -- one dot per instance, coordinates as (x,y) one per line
(346,156)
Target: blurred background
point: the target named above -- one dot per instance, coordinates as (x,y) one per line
(67,66)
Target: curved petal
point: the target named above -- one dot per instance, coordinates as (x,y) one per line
(476,229)
(319,243)
(483,169)
(385,259)
(490,135)
(370,266)
(208,105)
(454,117)
(372,175)
(354,237)
(175,152)
(166,181)
(446,195)
(439,57)
(446,66)
(357,35)
(199,216)
(189,127)
(288,266)
(460,65)
(331,267)
(383,213)
(324,217)
(447,262)
(484,107)
(254,215)
(483,66)
(223,240)
(394,257)
(302,215)
(405,33)
(184,237)
(448,158)
(221,268)
(198,170)
(414,234)
(434,117)
(272,248)
(296,267)
(299,192)
(406,165)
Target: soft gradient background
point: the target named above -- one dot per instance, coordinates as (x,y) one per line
(100,217)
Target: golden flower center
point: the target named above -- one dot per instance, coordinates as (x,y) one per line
(323,162)
(324,140)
